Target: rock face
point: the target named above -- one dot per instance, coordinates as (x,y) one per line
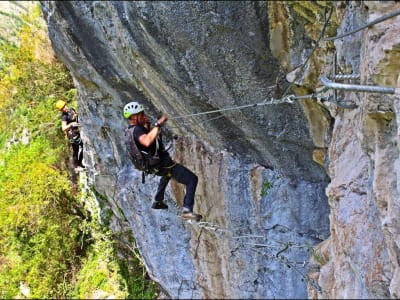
(361,257)
(263,170)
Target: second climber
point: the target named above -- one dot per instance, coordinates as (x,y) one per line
(70,125)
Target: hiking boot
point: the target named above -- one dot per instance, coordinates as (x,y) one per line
(189,215)
(79,169)
(159,205)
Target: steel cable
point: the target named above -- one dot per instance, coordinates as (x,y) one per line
(381,19)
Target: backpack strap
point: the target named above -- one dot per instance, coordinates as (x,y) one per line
(143,177)
(133,150)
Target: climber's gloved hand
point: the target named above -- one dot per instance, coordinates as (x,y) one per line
(74,124)
(162,119)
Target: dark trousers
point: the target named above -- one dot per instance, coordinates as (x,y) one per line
(77,153)
(182,175)
(74,137)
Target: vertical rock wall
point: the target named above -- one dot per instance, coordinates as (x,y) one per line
(263,172)
(361,257)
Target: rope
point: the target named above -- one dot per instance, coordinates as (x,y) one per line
(381,19)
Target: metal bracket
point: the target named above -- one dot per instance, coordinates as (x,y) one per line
(334,99)
(345,76)
(356,88)
(335,86)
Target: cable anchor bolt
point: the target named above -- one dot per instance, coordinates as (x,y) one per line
(289,99)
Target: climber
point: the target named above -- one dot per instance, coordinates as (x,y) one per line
(148,141)
(70,125)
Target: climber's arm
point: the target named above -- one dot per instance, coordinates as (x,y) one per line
(149,138)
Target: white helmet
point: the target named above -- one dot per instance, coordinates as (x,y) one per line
(132,108)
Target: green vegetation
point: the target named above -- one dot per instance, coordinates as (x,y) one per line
(38,228)
(49,241)
(266,186)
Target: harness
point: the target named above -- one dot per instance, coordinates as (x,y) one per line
(73,134)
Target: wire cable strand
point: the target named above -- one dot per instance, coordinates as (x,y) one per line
(381,19)
(288,99)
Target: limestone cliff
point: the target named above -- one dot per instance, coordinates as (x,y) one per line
(361,257)
(274,180)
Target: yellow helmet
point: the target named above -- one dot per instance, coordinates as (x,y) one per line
(60,104)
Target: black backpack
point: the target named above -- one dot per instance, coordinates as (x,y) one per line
(141,160)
